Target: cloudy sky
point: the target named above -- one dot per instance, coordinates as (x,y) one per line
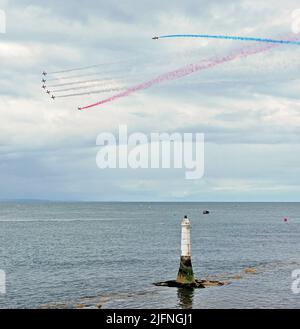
(248,109)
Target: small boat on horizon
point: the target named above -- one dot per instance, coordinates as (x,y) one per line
(206,212)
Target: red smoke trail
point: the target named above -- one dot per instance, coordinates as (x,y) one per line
(182,72)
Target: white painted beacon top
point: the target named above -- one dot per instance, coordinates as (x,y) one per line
(185,237)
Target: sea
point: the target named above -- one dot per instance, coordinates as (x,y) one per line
(109,255)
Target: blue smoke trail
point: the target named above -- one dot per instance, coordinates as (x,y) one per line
(225,37)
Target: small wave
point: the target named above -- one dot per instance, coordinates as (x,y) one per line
(56,220)
(255,268)
(96,302)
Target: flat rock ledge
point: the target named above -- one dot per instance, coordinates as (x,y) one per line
(198,284)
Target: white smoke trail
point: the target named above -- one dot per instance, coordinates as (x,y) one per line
(91,92)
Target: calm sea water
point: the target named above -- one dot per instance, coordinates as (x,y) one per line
(68,254)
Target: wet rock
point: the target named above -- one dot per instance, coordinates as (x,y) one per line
(236,277)
(196,284)
(79,306)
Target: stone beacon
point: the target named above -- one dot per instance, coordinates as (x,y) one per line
(185,277)
(185,274)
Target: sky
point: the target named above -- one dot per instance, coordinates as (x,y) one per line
(247,109)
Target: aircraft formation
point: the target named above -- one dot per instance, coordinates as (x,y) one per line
(88,80)
(45,87)
(82,81)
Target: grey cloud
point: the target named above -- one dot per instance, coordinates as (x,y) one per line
(48,149)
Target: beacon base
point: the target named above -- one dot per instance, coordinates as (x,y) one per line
(185,273)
